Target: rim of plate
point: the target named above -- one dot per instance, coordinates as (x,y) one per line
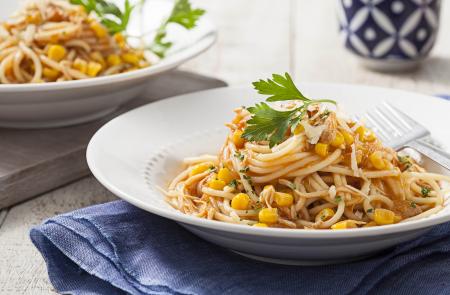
(167,63)
(258,231)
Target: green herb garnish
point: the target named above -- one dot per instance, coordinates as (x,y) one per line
(239,155)
(116,20)
(370,210)
(338,199)
(425,191)
(406,161)
(213,169)
(110,15)
(233,184)
(248,178)
(325,114)
(182,14)
(245,169)
(413,205)
(270,124)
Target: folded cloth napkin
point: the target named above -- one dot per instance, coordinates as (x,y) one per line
(116,248)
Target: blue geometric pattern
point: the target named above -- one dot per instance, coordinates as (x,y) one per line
(389,29)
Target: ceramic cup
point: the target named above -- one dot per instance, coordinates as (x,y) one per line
(389,35)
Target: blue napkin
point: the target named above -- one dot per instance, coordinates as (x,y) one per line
(116,248)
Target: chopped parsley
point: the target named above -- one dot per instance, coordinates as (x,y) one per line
(425,191)
(239,155)
(248,178)
(413,205)
(245,169)
(370,210)
(325,114)
(338,199)
(233,184)
(405,161)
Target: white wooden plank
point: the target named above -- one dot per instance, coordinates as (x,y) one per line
(320,55)
(22,269)
(253,40)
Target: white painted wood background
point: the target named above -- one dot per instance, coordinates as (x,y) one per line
(257,38)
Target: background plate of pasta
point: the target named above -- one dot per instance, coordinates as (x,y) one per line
(64,62)
(277,174)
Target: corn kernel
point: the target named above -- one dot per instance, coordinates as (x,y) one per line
(345,224)
(80,65)
(56,52)
(50,73)
(283,199)
(225,174)
(321,149)
(376,158)
(98,29)
(324,214)
(361,131)
(260,224)
(383,216)
(240,201)
(119,38)
(268,215)
(269,186)
(370,137)
(200,168)
(98,57)
(348,138)
(338,140)
(216,184)
(131,58)
(93,68)
(370,224)
(299,129)
(113,60)
(237,139)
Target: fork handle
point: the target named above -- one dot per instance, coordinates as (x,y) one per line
(440,157)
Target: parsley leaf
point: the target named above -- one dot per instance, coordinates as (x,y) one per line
(267,124)
(425,191)
(370,210)
(110,15)
(338,199)
(182,14)
(279,88)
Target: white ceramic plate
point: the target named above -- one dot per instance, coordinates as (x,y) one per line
(143,148)
(73,102)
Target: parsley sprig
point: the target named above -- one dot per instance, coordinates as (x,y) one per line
(110,15)
(182,14)
(269,124)
(116,20)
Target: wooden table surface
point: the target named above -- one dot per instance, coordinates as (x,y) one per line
(257,38)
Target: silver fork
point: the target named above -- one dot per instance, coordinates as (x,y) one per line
(398,130)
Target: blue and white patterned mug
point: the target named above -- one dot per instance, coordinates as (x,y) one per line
(389,35)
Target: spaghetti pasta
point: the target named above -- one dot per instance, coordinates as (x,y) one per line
(53,40)
(354,181)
